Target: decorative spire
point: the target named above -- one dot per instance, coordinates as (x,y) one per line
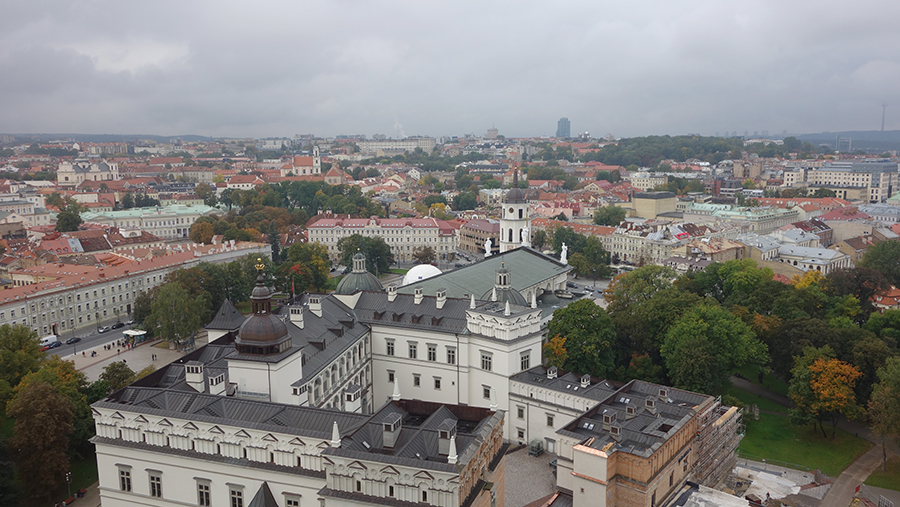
(534,299)
(259,265)
(452,458)
(494,405)
(335,436)
(506,311)
(396,395)
(472,303)
(494,293)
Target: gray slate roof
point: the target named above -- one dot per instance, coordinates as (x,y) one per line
(228,318)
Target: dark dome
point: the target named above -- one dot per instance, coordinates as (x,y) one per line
(515,196)
(262,329)
(358,281)
(506,294)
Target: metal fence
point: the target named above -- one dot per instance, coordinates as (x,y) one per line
(745,456)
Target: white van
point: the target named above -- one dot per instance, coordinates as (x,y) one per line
(47,340)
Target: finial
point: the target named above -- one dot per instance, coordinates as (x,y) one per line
(259,264)
(335,436)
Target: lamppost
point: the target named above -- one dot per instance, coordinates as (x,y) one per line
(69,482)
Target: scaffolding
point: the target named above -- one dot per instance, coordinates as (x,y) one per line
(720,429)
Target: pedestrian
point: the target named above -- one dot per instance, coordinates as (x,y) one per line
(82,354)
(124,362)
(118,351)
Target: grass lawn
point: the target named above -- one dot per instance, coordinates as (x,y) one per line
(332,282)
(84,473)
(750,399)
(773,437)
(889,478)
(399,271)
(244,306)
(770,381)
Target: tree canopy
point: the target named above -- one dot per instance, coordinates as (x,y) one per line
(589,335)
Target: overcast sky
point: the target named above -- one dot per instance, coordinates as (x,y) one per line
(630,68)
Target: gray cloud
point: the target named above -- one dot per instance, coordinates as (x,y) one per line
(281,68)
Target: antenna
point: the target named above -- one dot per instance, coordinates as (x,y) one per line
(883,110)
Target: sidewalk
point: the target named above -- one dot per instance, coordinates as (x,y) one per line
(136,358)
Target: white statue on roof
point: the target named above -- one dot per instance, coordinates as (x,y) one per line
(526,236)
(487,247)
(565,253)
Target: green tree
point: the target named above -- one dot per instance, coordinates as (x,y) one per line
(539,239)
(589,335)
(884,257)
(68,221)
(424,255)
(592,261)
(884,405)
(39,445)
(306,267)
(117,375)
(705,346)
(127,201)
(378,254)
(174,314)
(201,232)
(609,215)
(637,286)
(20,354)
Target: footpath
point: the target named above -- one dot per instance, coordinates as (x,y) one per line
(844,488)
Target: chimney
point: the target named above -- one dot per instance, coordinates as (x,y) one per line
(392,293)
(193,375)
(446,431)
(534,299)
(551,372)
(585,380)
(609,418)
(315,305)
(650,404)
(630,412)
(616,433)
(441,298)
(391,431)
(396,395)
(297,316)
(418,296)
(663,393)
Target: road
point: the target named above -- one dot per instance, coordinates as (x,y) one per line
(88,341)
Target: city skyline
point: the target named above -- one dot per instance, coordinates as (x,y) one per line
(227,70)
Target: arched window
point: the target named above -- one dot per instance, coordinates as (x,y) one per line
(510,235)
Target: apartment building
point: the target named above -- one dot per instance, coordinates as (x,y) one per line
(875,181)
(168,222)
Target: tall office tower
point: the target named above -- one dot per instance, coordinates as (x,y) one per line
(563,128)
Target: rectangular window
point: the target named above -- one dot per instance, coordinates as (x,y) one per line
(125,479)
(390,347)
(451,355)
(417,380)
(292,501)
(520,412)
(521,433)
(486,361)
(550,420)
(525,360)
(412,350)
(437,383)
(390,375)
(432,352)
(155,485)
(237,497)
(203,494)
(486,392)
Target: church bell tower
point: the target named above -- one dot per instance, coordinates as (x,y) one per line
(514,218)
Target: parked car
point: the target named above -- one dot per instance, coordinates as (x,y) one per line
(130,322)
(54,345)
(570,284)
(72,340)
(103,329)
(117,325)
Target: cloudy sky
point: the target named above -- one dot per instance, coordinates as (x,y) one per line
(227,68)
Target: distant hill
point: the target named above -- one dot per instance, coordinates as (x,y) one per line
(869,140)
(110,138)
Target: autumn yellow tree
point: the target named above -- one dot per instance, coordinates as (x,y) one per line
(822,388)
(555,353)
(810,278)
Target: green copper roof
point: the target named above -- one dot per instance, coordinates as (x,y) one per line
(526,267)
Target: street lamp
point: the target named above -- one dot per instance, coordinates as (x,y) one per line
(69,482)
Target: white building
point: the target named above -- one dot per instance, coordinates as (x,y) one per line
(403,235)
(70,175)
(168,222)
